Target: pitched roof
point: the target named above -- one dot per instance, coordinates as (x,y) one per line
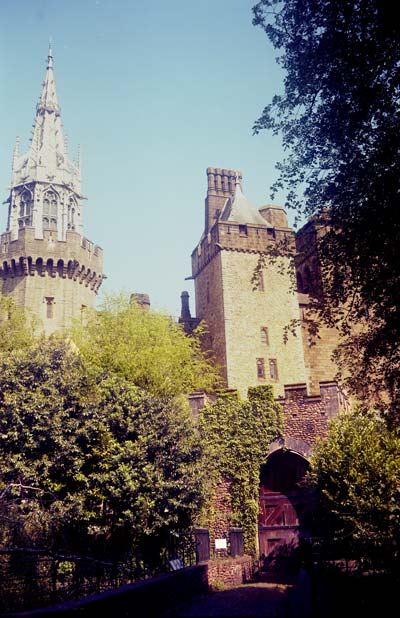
(238,209)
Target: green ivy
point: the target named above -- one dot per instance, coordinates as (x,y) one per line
(237,435)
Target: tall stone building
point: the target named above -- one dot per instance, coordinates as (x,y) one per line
(47,266)
(245,317)
(246,314)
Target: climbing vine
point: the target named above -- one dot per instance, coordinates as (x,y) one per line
(237,434)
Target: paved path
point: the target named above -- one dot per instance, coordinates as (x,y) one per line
(254,599)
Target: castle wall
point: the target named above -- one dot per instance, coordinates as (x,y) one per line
(247,312)
(318,351)
(210,308)
(306,418)
(53,280)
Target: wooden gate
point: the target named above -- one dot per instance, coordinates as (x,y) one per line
(284,504)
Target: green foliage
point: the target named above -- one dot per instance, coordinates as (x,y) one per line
(340,125)
(89,462)
(357,471)
(145,347)
(16,331)
(237,435)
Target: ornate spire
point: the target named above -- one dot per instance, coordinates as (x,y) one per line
(48,100)
(47,159)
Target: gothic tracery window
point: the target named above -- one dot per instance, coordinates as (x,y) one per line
(50,209)
(25,209)
(72,209)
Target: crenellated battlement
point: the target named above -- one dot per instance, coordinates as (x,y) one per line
(231,236)
(75,258)
(220,186)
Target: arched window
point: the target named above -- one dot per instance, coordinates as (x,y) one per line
(260,363)
(25,209)
(273,369)
(264,335)
(72,209)
(50,208)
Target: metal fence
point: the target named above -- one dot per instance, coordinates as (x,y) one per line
(32,578)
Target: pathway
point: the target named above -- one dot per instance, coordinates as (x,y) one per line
(271,600)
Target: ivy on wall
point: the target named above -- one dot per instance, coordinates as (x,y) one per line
(237,435)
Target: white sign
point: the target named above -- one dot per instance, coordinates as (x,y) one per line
(220,543)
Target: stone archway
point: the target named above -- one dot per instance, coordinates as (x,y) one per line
(285,505)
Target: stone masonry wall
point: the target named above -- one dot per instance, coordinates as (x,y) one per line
(210,307)
(39,272)
(230,572)
(318,352)
(246,312)
(221,517)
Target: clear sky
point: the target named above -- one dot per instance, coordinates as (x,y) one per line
(154,91)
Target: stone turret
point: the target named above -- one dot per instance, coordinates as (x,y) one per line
(47,266)
(221,186)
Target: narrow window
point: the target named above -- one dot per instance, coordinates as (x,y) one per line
(49,306)
(243,230)
(273,369)
(258,281)
(264,335)
(260,368)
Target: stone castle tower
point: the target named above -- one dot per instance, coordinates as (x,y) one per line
(46,265)
(246,318)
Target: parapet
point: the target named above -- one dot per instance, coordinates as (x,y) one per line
(143,300)
(75,258)
(276,215)
(222,181)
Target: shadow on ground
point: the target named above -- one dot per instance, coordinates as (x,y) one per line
(254,599)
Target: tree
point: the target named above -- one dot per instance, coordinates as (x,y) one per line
(340,124)
(16,331)
(237,435)
(357,473)
(90,463)
(145,347)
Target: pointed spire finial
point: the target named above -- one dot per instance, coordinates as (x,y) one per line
(50,56)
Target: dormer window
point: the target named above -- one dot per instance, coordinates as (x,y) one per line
(243,230)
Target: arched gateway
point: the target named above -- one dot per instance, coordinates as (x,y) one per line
(285,504)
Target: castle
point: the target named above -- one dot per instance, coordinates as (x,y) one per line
(247,311)
(49,268)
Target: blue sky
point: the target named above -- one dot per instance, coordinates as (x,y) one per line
(154,91)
